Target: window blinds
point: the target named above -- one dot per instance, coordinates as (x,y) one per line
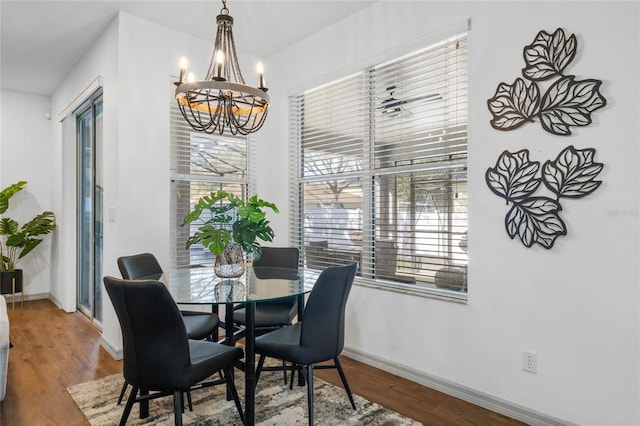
(201,163)
(379,170)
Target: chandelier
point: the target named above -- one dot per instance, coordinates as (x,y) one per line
(222,100)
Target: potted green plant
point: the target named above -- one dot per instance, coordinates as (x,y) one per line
(230,226)
(17,241)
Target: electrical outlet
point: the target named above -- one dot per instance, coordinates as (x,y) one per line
(530,362)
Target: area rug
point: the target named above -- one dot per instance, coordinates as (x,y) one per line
(276,404)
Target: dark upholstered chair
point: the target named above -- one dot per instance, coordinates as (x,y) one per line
(199,325)
(158,356)
(273,313)
(319,336)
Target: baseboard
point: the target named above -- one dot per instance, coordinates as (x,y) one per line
(36,296)
(55,301)
(115,352)
(473,396)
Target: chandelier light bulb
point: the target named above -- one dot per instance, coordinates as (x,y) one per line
(191,78)
(183,67)
(219,62)
(220,57)
(260,71)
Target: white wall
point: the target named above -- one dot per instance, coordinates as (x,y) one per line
(25,154)
(135,59)
(98,63)
(576,305)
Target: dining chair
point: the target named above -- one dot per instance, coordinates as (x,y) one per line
(158,356)
(319,337)
(199,325)
(273,314)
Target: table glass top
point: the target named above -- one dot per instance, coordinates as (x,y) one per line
(202,286)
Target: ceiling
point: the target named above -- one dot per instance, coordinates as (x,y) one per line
(41,41)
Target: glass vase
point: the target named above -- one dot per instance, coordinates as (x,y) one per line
(230,264)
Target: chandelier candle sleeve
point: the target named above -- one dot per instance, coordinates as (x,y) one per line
(260,70)
(219,62)
(183,68)
(223,102)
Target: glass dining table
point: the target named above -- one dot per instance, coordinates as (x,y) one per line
(200,286)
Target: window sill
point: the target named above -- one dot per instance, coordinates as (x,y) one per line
(414,290)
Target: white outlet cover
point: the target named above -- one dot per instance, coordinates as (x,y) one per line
(530,362)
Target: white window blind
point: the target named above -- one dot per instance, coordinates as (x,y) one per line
(379,171)
(202,163)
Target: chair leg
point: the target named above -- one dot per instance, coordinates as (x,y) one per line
(307,372)
(128,406)
(122,391)
(234,393)
(293,375)
(344,381)
(294,368)
(189,401)
(284,370)
(259,368)
(177,407)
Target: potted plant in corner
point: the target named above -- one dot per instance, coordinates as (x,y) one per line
(230,227)
(16,241)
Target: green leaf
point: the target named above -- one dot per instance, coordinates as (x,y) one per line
(8,226)
(29,245)
(231,219)
(42,224)
(8,192)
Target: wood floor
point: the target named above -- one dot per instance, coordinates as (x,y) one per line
(54,350)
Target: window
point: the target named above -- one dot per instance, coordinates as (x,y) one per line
(379,172)
(202,163)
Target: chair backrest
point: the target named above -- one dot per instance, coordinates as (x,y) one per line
(280,257)
(139,265)
(322,333)
(156,347)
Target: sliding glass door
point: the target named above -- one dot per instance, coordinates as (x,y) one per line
(89,220)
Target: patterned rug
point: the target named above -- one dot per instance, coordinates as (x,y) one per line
(276,404)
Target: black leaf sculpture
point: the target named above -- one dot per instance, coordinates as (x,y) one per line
(536,219)
(548,55)
(568,102)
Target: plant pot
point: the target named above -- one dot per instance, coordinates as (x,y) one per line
(230,264)
(6,282)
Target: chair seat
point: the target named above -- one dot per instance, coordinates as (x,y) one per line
(199,325)
(284,343)
(209,356)
(268,315)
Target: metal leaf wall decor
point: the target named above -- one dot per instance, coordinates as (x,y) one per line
(536,219)
(567,102)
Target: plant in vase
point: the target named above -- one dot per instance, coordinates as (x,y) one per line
(229,227)
(17,241)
